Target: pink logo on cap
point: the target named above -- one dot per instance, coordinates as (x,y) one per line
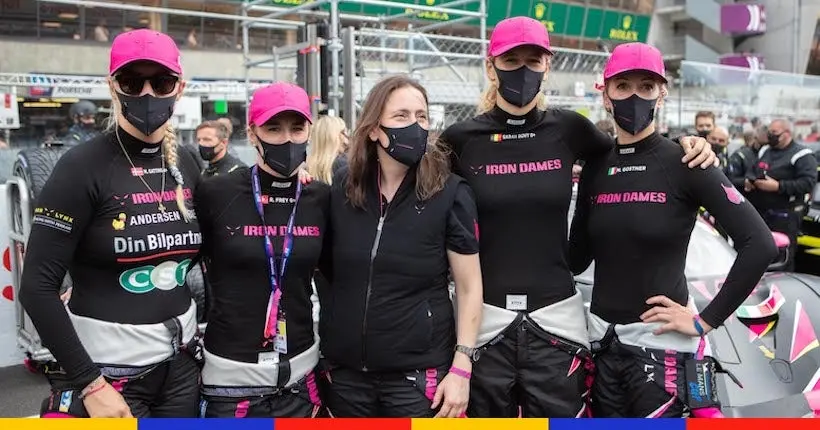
(273,99)
(144,45)
(518,31)
(636,56)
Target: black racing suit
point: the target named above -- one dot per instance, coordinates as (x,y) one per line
(535,354)
(227,164)
(79,133)
(795,168)
(237,381)
(635,213)
(128,249)
(387,323)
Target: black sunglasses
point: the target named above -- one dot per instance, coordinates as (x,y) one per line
(132,84)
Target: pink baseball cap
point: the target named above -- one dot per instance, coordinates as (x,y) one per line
(635,56)
(518,31)
(273,99)
(144,45)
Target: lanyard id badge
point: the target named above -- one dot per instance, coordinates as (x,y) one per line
(275,323)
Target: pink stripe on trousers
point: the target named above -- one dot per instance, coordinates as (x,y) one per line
(431,383)
(242,409)
(313,390)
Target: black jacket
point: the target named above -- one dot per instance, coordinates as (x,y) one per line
(225,165)
(388,305)
(794,167)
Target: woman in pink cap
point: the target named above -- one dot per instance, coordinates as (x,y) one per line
(518,158)
(263,234)
(117,215)
(401,223)
(636,209)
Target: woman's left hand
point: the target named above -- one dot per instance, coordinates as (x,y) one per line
(698,152)
(453,394)
(676,317)
(304,177)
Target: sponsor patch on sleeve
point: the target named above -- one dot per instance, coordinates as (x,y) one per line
(53,219)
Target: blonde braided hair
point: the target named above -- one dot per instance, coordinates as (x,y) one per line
(169,143)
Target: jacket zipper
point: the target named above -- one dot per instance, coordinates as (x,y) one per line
(373,251)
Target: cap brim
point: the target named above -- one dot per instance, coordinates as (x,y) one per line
(501,50)
(265,117)
(630,70)
(172,67)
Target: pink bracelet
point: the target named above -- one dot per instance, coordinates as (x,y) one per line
(461,372)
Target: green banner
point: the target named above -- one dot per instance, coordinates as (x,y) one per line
(560,19)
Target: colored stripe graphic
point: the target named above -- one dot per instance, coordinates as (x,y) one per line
(343,424)
(206,424)
(405,424)
(618,424)
(67,424)
(481,424)
(751,424)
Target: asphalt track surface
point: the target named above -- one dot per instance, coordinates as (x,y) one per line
(21,392)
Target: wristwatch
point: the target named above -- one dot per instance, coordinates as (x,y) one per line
(472,353)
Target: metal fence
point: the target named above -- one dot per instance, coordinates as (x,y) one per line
(453,70)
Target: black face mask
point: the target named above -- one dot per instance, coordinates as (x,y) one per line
(717,149)
(774,139)
(207,153)
(520,86)
(87,125)
(284,158)
(407,144)
(634,114)
(147,113)
(704,133)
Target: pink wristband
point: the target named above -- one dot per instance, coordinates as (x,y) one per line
(461,372)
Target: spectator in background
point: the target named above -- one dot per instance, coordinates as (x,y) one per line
(212,139)
(328,144)
(191,39)
(101,33)
(228,125)
(704,123)
(743,159)
(84,118)
(718,137)
(784,175)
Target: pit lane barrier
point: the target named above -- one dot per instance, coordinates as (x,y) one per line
(408,424)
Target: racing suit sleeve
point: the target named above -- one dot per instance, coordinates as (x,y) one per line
(753,241)
(462,222)
(584,139)
(62,213)
(805,177)
(580,251)
(737,170)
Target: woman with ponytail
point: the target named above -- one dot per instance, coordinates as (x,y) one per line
(117,215)
(518,158)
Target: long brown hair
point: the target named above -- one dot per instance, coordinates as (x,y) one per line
(434,168)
